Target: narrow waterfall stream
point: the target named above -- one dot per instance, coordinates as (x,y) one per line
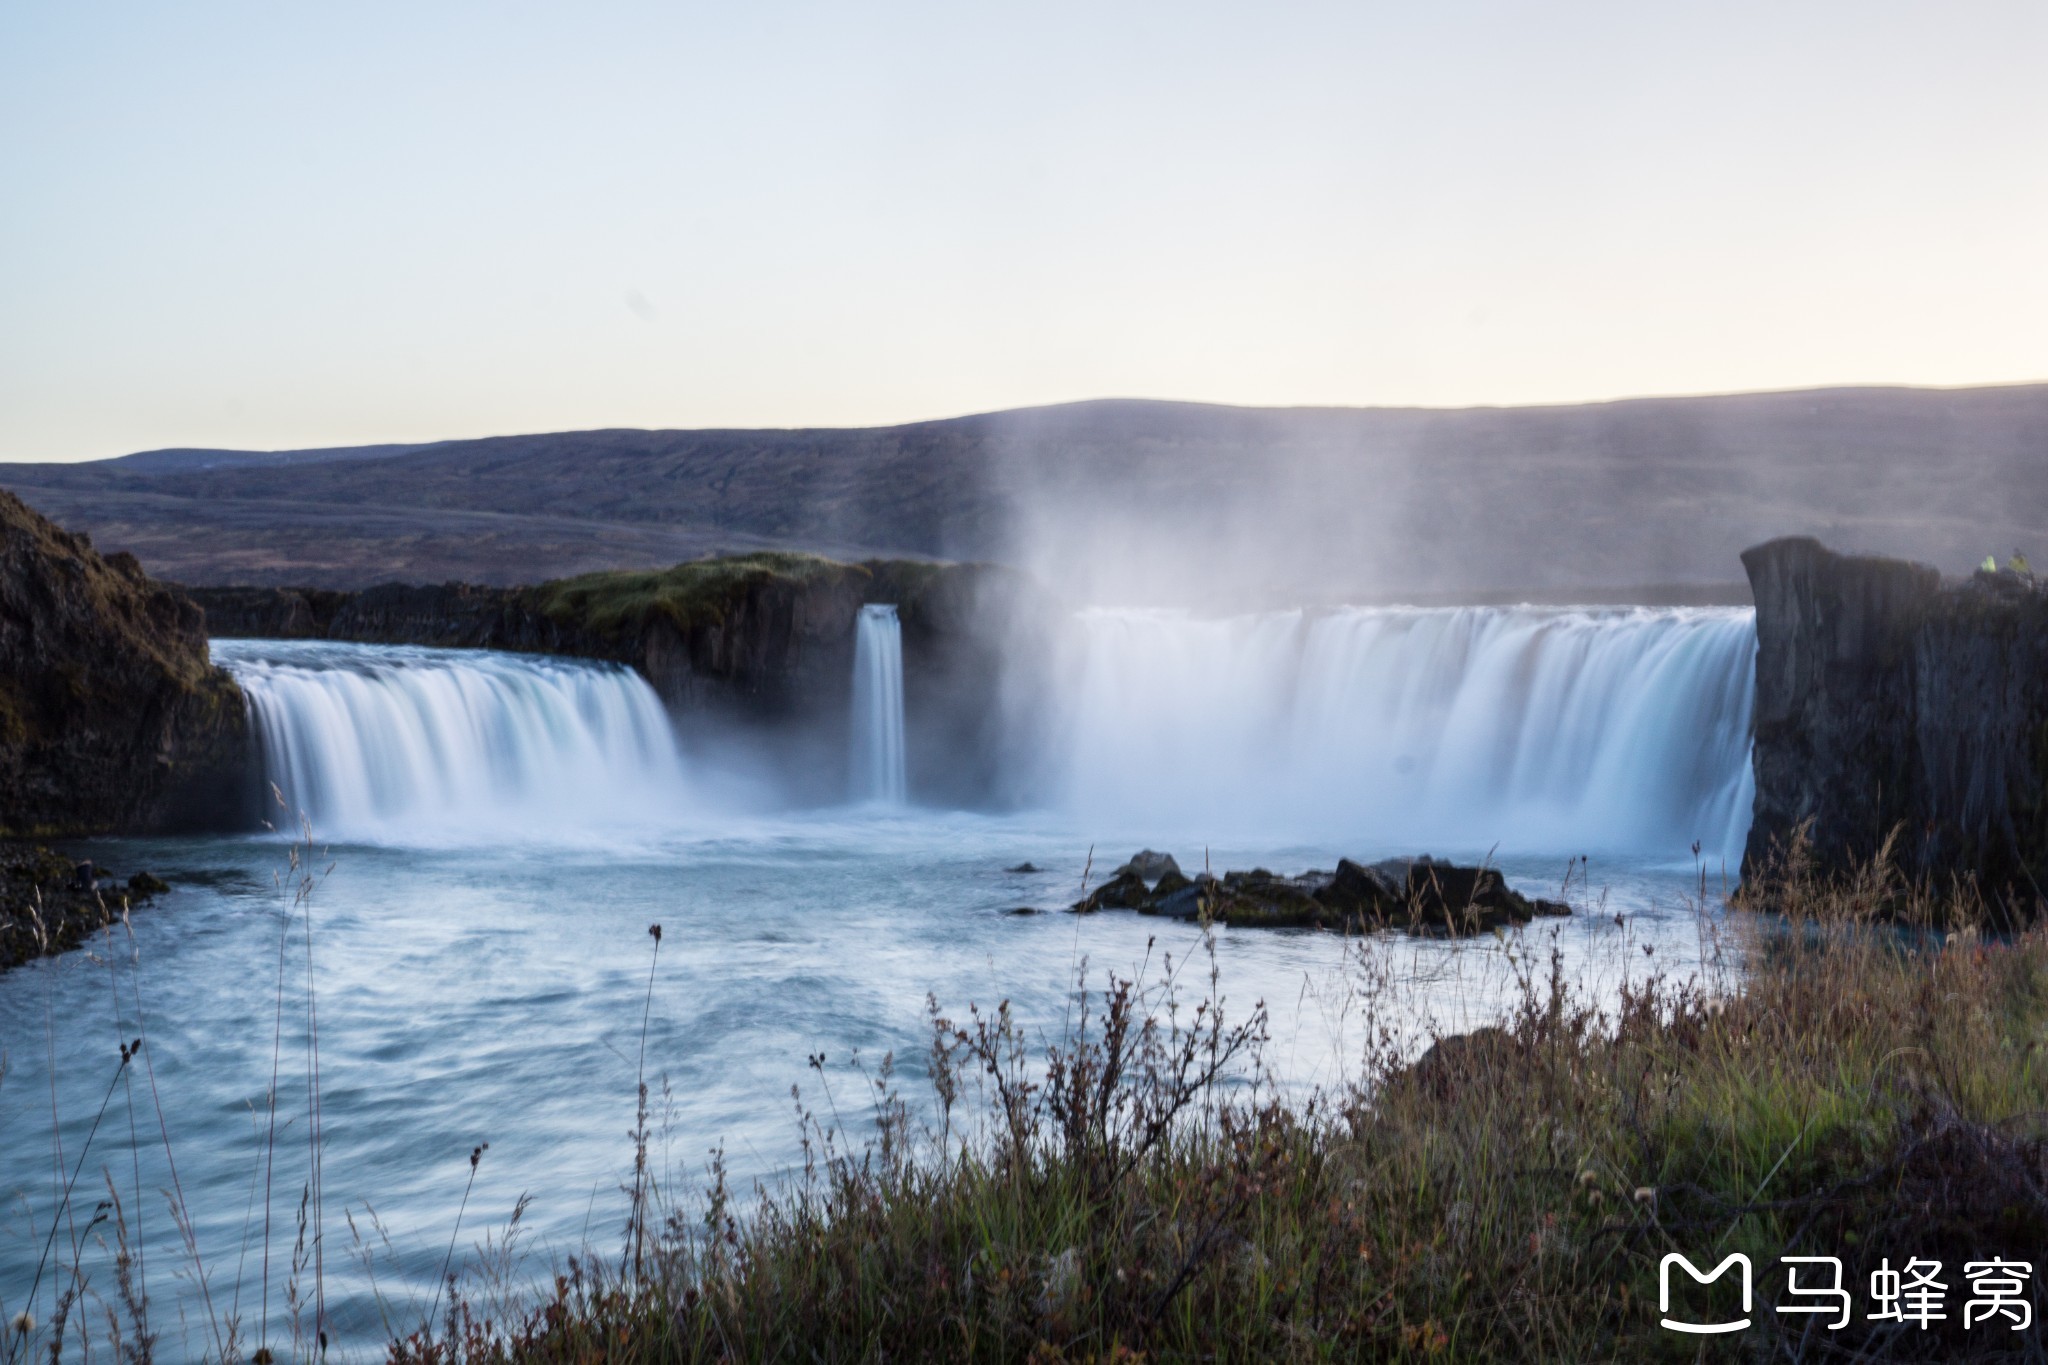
(878,770)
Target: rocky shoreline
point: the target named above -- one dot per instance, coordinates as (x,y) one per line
(50,903)
(1423,895)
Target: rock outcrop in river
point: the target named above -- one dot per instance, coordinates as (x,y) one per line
(1421,895)
(49,904)
(112,717)
(1887,701)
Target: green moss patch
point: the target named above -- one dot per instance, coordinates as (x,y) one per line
(698,593)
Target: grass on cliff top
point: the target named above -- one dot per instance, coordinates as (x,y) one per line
(1133,1193)
(699,592)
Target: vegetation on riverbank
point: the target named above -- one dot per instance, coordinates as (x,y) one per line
(49,903)
(697,593)
(1867,1091)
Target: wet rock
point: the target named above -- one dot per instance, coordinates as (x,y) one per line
(1421,895)
(1169,883)
(1125,891)
(1023,910)
(1362,892)
(1024,868)
(1190,899)
(1444,899)
(1267,901)
(1149,866)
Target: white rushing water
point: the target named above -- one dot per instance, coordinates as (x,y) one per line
(1455,730)
(393,743)
(1532,728)
(878,771)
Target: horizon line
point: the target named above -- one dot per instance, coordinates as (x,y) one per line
(401,446)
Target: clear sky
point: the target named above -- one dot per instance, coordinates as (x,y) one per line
(282,225)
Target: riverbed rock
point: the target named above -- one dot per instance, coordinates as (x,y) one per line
(1150,866)
(1447,900)
(1184,898)
(1260,899)
(112,716)
(1125,891)
(1364,892)
(1887,701)
(48,903)
(1421,895)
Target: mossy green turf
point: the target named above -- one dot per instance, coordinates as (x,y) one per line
(697,593)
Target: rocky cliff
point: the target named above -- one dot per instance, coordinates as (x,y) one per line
(1887,700)
(112,718)
(762,640)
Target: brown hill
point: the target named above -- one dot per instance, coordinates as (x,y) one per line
(1125,498)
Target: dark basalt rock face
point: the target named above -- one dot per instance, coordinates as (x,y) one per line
(1886,701)
(112,717)
(1421,895)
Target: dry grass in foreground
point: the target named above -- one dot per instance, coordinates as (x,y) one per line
(1872,1091)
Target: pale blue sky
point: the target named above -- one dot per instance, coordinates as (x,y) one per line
(283,225)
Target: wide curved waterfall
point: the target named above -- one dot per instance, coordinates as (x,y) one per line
(1534,729)
(878,707)
(394,742)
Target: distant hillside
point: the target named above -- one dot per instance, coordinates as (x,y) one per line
(1124,498)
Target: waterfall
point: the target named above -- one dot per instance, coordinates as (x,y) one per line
(403,744)
(1535,729)
(1453,731)
(878,707)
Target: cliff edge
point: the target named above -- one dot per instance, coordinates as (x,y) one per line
(112,717)
(1887,700)
(761,641)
